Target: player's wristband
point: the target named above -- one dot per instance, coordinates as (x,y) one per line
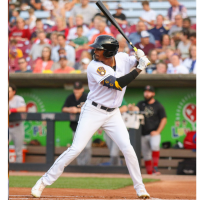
(13,110)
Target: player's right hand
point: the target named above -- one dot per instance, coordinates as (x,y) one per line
(138,54)
(143,62)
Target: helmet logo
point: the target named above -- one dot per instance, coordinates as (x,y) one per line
(101,71)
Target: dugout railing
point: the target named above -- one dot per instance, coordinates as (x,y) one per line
(51,118)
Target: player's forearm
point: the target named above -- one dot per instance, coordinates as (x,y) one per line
(20,109)
(128,78)
(66,109)
(123,109)
(162,124)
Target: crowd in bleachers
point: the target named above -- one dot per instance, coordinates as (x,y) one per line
(60,44)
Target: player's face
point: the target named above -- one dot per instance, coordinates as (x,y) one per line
(148,95)
(98,54)
(11,93)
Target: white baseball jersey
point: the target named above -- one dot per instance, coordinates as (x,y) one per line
(16,102)
(97,72)
(93,117)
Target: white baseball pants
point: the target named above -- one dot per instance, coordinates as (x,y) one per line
(149,144)
(17,135)
(90,120)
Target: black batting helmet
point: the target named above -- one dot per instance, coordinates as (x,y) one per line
(107,43)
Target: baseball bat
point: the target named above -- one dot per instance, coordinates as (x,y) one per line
(113,21)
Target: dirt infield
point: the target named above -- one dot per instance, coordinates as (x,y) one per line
(170,187)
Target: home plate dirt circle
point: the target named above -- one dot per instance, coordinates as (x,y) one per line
(169,187)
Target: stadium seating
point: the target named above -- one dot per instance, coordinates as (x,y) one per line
(131,9)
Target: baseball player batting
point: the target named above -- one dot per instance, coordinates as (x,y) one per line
(108,75)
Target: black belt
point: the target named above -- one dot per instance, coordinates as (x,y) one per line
(102,107)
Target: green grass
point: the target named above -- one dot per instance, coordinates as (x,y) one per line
(81,183)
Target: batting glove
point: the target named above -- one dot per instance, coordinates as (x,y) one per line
(138,54)
(143,62)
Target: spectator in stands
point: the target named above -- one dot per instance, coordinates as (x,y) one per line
(73,31)
(63,66)
(19,33)
(47,5)
(190,63)
(36,50)
(145,45)
(69,49)
(84,54)
(119,16)
(193,38)
(45,62)
(39,26)
(78,42)
(23,66)
(184,45)
(175,67)
(70,106)
(136,37)
(155,120)
(56,65)
(101,27)
(153,57)
(14,52)
(84,64)
(35,4)
(58,10)
(123,46)
(94,30)
(16,129)
(54,39)
(31,21)
(60,26)
(165,42)
(86,10)
(100,14)
(166,55)
(187,25)
(161,68)
(158,30)
(148,15)
(176,29)
(13,19)
(175,9)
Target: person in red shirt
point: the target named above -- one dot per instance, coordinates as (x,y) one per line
(61,26)
(19,33)
(63,66)
(45,62)
(145,45)
(101,27)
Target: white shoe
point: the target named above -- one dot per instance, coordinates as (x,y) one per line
(38,188)
(142,194)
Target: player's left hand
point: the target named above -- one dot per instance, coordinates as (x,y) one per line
(139,54)
(143,62)
(153,133)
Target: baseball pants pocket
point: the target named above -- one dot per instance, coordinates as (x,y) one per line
(155,142)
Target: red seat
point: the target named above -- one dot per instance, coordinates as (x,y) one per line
(132,29)
(13,65)
(115,32)
(25,46)
(193,27)
(78,54)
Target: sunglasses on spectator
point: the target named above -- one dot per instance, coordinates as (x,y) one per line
(177,18)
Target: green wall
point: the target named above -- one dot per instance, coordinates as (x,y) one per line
(179,103)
